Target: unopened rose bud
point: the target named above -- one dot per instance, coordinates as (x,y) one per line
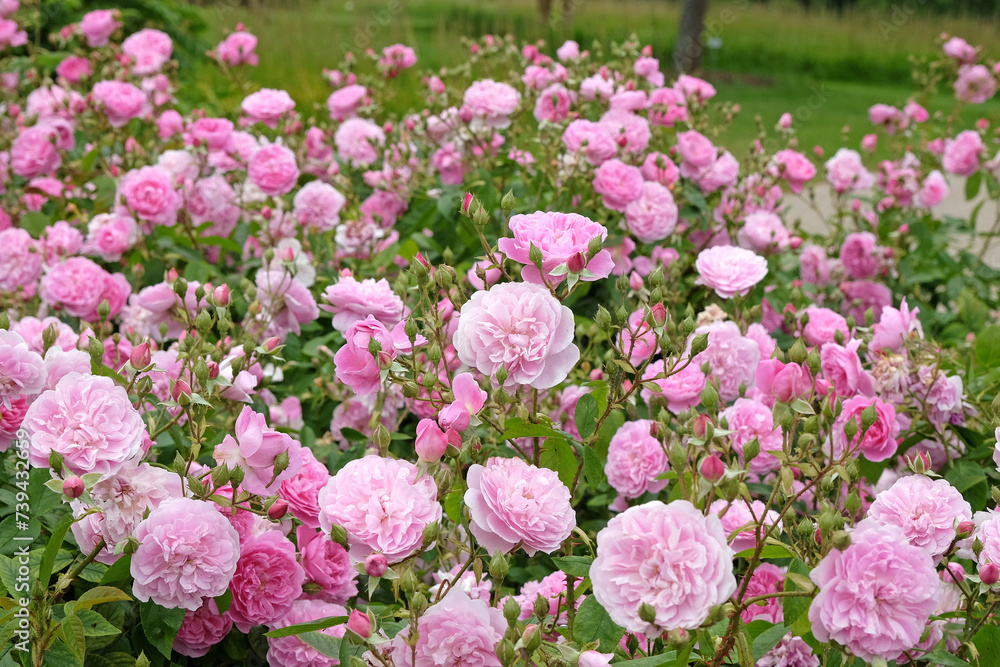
(511,610)
(220,296)
(73,487)
(965,529)
(140,356)
(647,613)
(576,263)
(180,388)
(712,469)
(532,638)
(213,370)
(338,534)
(989,573)
(271,343)
(635,282)
(359,624)
(277,509)
(376,565)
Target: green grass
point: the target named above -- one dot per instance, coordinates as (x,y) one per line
(775,56)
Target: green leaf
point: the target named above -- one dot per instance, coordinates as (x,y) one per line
(649,661)
(594,624)
(453,503)
(802,407)
(101,594)
(325,644)
(223,601)
(987,348)
(767,640)
(119,570)
(685,653)
(965,475)
(72,632)
(311,626)
(769,551)
(585,415)
(160,625)
(557,455)
(577,566)
(973,185)
(795,608)
(518,428)
(942,657)
(35,223)
(52,549)
(59,655)
(987,640)
(95,625)
(593,468)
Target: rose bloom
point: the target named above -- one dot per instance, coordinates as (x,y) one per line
(31,329)
(667,106)
(98,25)
(879,442)
(514,503)
(201,630)
(926,511)
(352,301)
(845,171)
(109,236)
(653,216)
(731,356)
(933,191)
(630,130)
(842,368)
(782,382)
(457,631)
(345,102)
(961,154)
(127,494)
(216,134)
(593,138)
(635,460)
(795,168)
(78,285)
(34,152)
(356,139)
(382,504)
(637,340)
(150,50)
(763,232)
(730,270)
(876,595)
(74,68)
(681,389)
(237,49)
(89,421)
(563,240)
(273,170)
(959,49)
(975,84)
(149,193)
(766,579)
(21,260)
(266,582)
(287,303)
(120,101)
(553,103)
(860,255)
(823,325)
(860,296)
(301,490)
(255,449)
(291,651)
(22,370)
(660,168)
(895,327)
(326,564)
(355,365)
(521,327)
(267,106)
(491,102)
(187,552)
(749,419)
(735,518)
(671,557)
(697,153)
(619,184)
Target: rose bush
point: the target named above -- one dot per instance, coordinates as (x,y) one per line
(535,374)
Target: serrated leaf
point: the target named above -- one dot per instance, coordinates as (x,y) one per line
(453,503)
(585,415)
(987,348)
(119,570)
(577,566)
(794,607)
(769,551)
(594,624)
(52,549)
(312,626)
(518,428)
(325,644)
(160,625)
(942,657)
(95,625)
(802,407)
(767,640)
(99,595)
(72,632)
(557,455)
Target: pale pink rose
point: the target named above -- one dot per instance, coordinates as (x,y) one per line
(879,441)
(522,327)
(54,102)
(596,87)
(933,190)
(458,631)
(732,358)
(845,171)
(960,50)
(975,84)
(629,130)
(795,168)
(693,87)
(514,503)
(843,370)
(120,101)
(149,193)
(34,151)
(74,68)
(238,48)
(382,504)
(10,36)
(355,365)
(941,394)
(291,651)
(783,382)
(125,496)
(352,301)
(553,103)
(287,303)
(961,154)
(681,389)
(697,153)
(22,370)
(592,138)
(635,460)
(448,162)
(570,50)
(563,239)
(301,490)
(255,449)
(629,100)
(491,102)
(11,416)
(356,140)
(763,232)
(31,329)
(659,168)
(895,327)
(216,134)
(187,552)
(267,581)
(395,58)
(758,333)
(59,363)
(652,216)
(741,521)
(20,262)
(78,286)
(889,117)
(915,112)
(98,26)
(345,102)
(267,106)
(823,325)
(860,296)
(536,77)
(273,170)
(641,545)
(889,585)
(926,511)
(637,340)
(593,658)
(149,49)
(730,270)
(749,419)
(619,184)
(667,106)
(201,630)
(766,579)
(469,400)
(722,173)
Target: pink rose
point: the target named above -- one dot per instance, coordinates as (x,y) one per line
(660,168)
(783,382)
(187,552)
(681,389)
(619,184)
(763,232)
(842,368)
(667,106)
(731,357)
(345,102)
(149,193)
(563,239)
(593,138)
(273,170)
(635,460)
(814,266)
(255,450)
(629,130)
(457,630)
(926,511)
(395,58)
(431,442)
(237,49)
(201,630)
(845,171)
(521,327)
(97,26)
(878,442)
(860,255)
(120,101)
(491,102)
(740,520)
(697,153)
(698,90)
(34,151)
(514,503)
(570,50)
(267,581)
(301,490)
(795,168)
(291,651)
(327,565)
(356,140)
(652,216)
(961,154)
(22,370)
(21,261)
(895,327)
(749,419)
(351,301)
(641,544)
(78,285)
(267,106)
(382,504)
(933,190)
(823,325)
(553,104)
(149,49)
(74,68)
(975,84)
(960,50)
(469,400)
(355,365)
(730,270)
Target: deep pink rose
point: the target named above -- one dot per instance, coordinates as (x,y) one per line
(563,239)
(266,582)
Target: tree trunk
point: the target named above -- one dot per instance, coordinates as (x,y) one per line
(545,9)
(688,51)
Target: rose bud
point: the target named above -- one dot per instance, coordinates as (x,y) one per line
(989,573)
(73,487)
(140,356)
(359,624)
(712,469)
(277,509)
(376,565)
